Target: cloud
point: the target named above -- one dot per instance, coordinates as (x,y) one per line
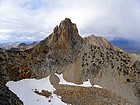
(35,19)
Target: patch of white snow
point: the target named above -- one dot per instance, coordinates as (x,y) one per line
(62,81)
(85,84)
(97,86)
(24,89)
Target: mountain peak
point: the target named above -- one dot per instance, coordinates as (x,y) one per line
(66,27)
(64,39)
(66,21)
(65,36)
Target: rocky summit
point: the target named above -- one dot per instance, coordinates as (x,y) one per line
(78,59)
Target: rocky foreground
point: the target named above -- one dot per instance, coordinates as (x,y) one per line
(75,95)
(7,97)
(78,59)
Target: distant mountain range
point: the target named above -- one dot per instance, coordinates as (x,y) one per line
(18,45)
(128,45)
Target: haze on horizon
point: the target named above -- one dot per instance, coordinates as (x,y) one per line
(25,20)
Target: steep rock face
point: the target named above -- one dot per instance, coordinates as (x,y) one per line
(65,40)
(59,49)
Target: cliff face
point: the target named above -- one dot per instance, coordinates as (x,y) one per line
(66,52)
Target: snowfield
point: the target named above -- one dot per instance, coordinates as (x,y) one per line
(24,89)
(62,81)
(85,84)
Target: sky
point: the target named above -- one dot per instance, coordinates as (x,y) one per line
(25,20)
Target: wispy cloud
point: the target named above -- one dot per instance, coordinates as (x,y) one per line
(35,19)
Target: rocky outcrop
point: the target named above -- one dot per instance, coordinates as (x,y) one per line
(65,40)
(54,80)
(66,52)
(7,97)
(59,49)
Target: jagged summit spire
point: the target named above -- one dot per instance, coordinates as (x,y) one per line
(64,38)
(67,28)
(67,20)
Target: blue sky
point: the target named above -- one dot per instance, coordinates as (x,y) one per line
(22,20)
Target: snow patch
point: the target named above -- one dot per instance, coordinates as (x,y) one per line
(62,81)
(85,84)
(24,89)
(97,86)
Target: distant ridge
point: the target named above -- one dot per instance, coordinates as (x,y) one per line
(127,45)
